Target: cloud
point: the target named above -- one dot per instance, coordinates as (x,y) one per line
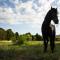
(26,11)
(23,12)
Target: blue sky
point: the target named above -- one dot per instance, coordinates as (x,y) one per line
(26,15)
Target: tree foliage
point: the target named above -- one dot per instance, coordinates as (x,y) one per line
(16,38)
(38,37)
(2,34)
(9,34)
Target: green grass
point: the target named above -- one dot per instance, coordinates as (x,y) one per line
(30,43)
(31,50)
(5,42)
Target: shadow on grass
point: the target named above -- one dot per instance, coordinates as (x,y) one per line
(31,52)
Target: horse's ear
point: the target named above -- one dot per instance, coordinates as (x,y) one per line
(56,8)
(51,7)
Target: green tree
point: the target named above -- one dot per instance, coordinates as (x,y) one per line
(2,34)
(15,38)
(18,40)
(38,37)
(23,38)
(9,34)
(28,36)
(33,37)
(17,35)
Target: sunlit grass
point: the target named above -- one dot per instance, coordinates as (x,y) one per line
(33,43)
(5,42)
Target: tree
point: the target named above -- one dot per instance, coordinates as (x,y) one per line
(38,37)
(15,38)
(22,39)
(33,37)
(17,35)
(28,36)
(18,40)
(9,34)
(2,34)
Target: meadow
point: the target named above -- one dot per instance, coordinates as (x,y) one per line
(31,50)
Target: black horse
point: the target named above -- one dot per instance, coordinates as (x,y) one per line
(48,30)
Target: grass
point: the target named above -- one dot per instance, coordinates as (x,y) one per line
(5,42)
(31,50)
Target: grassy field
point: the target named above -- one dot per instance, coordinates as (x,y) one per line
(31,50)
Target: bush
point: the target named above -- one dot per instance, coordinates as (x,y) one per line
(22,39)
(18,41)
(14,40)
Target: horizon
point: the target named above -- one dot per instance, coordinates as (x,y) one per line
(24,16)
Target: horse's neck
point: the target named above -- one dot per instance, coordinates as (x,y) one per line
(47,19)
(47,22)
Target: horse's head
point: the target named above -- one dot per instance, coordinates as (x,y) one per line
(54,16)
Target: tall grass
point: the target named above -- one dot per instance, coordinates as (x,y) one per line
(31,50)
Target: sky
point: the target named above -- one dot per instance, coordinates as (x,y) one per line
(26,15)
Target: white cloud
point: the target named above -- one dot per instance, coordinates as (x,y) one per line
(31,16)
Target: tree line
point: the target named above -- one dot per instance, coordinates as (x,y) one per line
(16,37)
(6,34)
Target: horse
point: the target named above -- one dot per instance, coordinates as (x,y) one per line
(48,29)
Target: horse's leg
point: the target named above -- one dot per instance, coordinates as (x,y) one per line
(52,42)
(45,42)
